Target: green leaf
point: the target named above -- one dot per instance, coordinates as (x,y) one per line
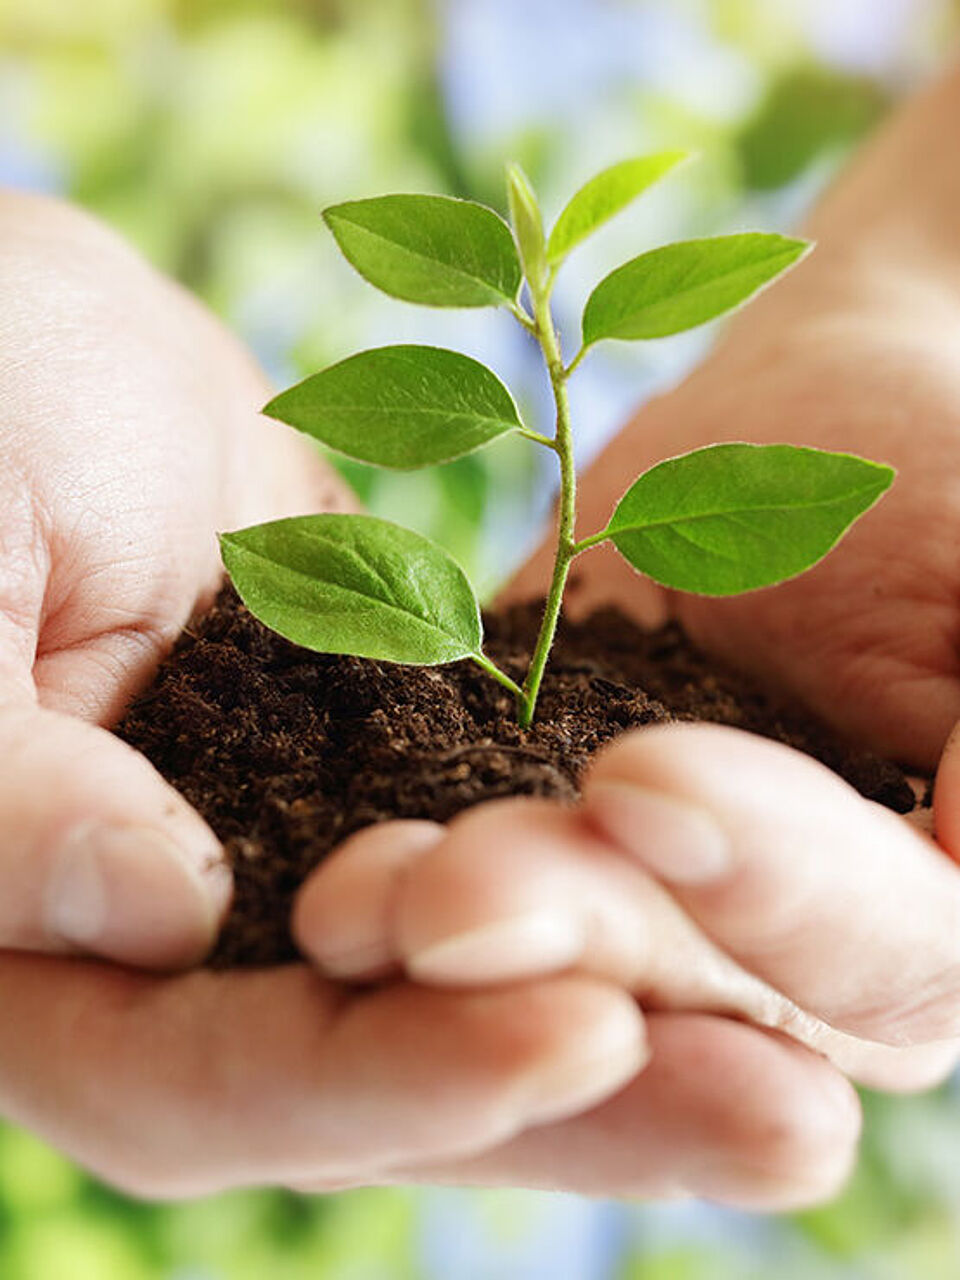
(357,585)
(401,407)
(431,249)
(680,286)
(604,196)
(734,517)
(527,223)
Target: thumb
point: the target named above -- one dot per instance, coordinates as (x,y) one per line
(99,854)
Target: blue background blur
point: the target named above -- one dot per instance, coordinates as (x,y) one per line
(211,133)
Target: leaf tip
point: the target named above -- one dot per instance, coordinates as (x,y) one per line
(801,247)
(271,408)
(885,476)
(679,158)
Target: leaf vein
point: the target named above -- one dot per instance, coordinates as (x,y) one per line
(431,263)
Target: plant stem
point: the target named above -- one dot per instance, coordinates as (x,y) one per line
(546,335)
(492,669)
(520,313)
(537,438)
(575,362)
(593,541)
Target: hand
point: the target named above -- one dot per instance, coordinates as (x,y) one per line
(127,442)
(129,436)
(851,352)
(829,920)
(144,1078)
(711,874)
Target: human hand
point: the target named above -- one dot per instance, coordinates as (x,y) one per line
(139,1060)
(127,442)
(845,354)
(854,351)
(712,875)
(704,870)
(129,437)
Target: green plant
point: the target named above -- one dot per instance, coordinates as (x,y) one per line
(718,521)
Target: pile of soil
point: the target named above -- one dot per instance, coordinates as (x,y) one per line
(286,752)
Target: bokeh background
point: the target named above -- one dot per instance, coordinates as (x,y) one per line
(211,133)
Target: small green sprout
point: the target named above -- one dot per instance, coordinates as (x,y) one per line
(721,520)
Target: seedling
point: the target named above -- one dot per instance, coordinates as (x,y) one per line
(721,520)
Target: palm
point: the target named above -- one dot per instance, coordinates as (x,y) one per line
(132,443)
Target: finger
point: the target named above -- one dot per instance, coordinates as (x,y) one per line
(721,1111)
(509,891)
(99,854)
(888,1068)
(186,1085)
(343,917)
(833,900)
(946,797)
(518,889)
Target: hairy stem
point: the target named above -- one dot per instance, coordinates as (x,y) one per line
(520,314)
(537,438)
(594,540)
(546,335)
(501,677)
(575,362)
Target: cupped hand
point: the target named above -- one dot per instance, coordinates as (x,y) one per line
(130,435)
(714,876)
(707,872)
(704,871)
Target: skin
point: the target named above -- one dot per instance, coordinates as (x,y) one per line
(130,436)
(750,897)
(489,1054)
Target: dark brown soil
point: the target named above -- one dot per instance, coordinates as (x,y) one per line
(286,752)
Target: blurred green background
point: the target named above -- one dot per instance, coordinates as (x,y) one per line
(211,133)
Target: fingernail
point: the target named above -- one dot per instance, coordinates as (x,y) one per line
(368,961)
(598,1066)
(678,841)
(132,894)
(343,918)
(538,942)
